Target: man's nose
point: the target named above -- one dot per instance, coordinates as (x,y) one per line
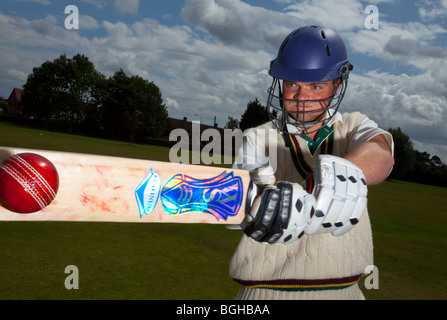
(301,94)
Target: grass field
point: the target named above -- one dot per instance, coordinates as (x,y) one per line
(190,262)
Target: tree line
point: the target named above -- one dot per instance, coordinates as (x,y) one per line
(413,165)
(410,164)
(71,92)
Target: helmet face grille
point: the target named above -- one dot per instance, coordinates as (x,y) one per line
(293,122)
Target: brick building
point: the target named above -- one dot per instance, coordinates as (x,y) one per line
(14,101)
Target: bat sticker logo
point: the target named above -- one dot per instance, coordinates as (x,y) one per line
(220,196)
(148,192)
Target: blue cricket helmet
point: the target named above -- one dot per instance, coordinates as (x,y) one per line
(309,54)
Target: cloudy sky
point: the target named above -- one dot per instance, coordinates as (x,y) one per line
(210,57)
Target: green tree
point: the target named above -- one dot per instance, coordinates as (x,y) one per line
(255,114)
(435,162)
(232,123)
(133,107)
(416,166)
(62,90)
(404,154)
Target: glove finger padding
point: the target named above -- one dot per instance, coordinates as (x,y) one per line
(279,214)
(340,190)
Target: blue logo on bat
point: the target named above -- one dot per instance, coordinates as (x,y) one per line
(220,196)
(148,192)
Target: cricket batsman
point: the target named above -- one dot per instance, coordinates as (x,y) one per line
(307,234)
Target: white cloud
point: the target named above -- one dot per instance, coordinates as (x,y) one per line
(87,22)
(234,22)
(44,26)
(44,2)
(213,78)
(402,43)
(430,10)
(398,46)
(98,3)
(401,101)
(172,104)
(340,15)
(127,6)
(16,75)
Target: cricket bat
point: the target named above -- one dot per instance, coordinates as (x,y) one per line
(116,189)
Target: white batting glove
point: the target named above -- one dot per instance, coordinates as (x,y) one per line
(340,190)
(279,214)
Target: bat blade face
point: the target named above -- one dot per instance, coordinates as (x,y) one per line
(101,188)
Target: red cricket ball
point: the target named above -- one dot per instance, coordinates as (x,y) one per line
(28,183)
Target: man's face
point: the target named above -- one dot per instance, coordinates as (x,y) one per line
(317,92)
